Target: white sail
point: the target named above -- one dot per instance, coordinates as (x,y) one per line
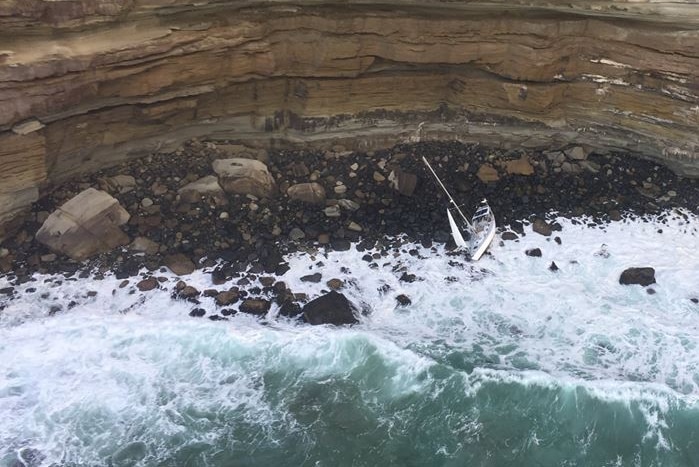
(456,233)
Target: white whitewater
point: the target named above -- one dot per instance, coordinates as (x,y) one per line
(124,375)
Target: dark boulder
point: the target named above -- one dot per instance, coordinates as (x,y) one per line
(227,298)
(542,227)
(341,245)
(641,276)
(147,284)
(290,309)
(553,267)
(403,300)
(313,278)
(255,306)
(331,308)
(509,236)
(533,252)
(405,277)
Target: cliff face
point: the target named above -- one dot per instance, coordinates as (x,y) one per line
(88,83)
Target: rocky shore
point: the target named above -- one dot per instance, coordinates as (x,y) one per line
(236,211)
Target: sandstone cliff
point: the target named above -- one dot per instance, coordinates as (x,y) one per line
(87,83)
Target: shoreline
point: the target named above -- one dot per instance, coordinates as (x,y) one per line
(240,237)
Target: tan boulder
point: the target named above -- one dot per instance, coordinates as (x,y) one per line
(244,177)
(488,173)
(144,245)
(520,166)
(179,264)
(206,186)
(85,225)
(312,193)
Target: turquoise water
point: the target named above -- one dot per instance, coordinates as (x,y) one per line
(515,366)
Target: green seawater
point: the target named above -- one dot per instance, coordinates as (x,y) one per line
(204,396)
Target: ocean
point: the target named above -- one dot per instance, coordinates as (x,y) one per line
(495,363)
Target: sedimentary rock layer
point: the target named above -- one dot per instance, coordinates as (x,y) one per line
(87,84)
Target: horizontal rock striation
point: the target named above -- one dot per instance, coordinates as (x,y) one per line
(86,84)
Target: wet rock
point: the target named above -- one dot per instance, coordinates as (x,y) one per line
(245,177)
(403,300)
(290,309)
(7,291)
(509,236)
(694,300)
(85,225)
(206,186)
(312,193)
(331,308)
(197,312)
(405,277)
(313,278)
(29,457)
(255,306)
(536,252)
(147,284)
(615,215)
(341,245)
(179,264)
(542,227)
(642,276)
(228,297)
(553,267)
(188,292)
(335,284)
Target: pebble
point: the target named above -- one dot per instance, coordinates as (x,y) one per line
(378,177)
(353,226)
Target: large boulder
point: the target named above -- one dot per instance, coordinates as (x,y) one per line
(312,193)
(179,264)
(331,308)
(244,177)
(85,225)
(487,173)
(206,186)
(520,166)
(403,182)
(641,276)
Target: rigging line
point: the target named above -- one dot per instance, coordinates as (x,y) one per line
(451,200)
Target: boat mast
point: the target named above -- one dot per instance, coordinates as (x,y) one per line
(451,200)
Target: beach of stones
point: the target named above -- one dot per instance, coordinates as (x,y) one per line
(236,212)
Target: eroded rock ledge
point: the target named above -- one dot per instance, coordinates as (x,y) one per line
(86,84)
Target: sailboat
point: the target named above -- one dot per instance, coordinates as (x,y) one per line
(475,235)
